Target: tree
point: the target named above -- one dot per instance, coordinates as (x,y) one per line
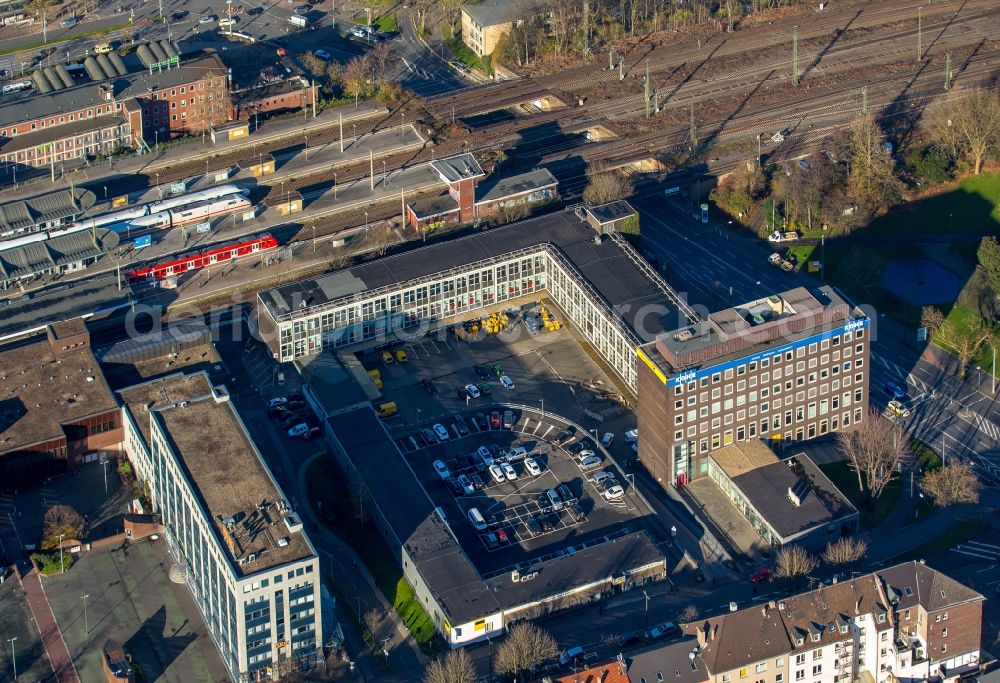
(381,55)
(967,125)
(526,646)
(313,65)
(964,340)
(793,561)
(989,259)
(952,484)
(357,77)
(863,268)
(380,236)
(844,551)
(605,185)
(688,614)
(61,520)
(932,318)
(875,448)
(871,179)
(454,667)
(372,619)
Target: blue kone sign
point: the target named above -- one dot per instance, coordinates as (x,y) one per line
(694,375)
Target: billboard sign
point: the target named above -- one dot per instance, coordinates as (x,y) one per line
(143,241)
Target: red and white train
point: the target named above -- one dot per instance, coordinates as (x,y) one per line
(223,253)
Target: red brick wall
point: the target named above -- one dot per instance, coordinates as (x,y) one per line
(964,625)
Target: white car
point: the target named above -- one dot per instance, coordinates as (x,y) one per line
(603,479)
(323,54)
(585,453)
(531,466)
(298,430)
(509,471)
(506,382)
(590,462)
(275,402)
(485,455)
(472,390)
(442,469)
(208,19)
(466,484)
(614,492)
(497,473)
(441,432)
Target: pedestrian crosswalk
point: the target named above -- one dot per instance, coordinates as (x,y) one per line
(984,551)
(986,426)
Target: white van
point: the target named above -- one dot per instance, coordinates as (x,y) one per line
(476,519)
(570,655)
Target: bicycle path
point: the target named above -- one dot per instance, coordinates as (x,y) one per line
(52,638)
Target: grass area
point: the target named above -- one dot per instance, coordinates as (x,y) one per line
(387,23)
(873,512)
(963,317)
(464,53)
(326,483)
(959,533)
(972,207)
(56,44)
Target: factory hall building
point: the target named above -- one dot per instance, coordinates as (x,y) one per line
(784,368)
(241,549)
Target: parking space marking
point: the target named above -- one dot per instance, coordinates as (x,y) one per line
(546,433)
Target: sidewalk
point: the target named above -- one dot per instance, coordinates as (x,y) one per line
(52,639)
(356,582)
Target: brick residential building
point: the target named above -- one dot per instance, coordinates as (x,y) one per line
(784,368)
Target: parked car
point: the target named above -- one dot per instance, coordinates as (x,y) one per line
(895,391)
(508,419)
(602,479)
(387,358)
(301,10)
(400,354)
(503,537)
(564,436)
(254,11)
(485,455)
(461,425)
(207,19)
(578,514)
(277,411)
(497,473)
(428,435)
(531,467)
(481,372)
(497,369)
(298,430)
(455,488)
(466,483)
(313,433)
(533,527)
(472,390)
(484,389)
(509,471)
(613,492)
(441,432)
(479,419)
(477,482)
(761,575)
(491,540)
(506,382)
(547,522)
(667,628)
(70,21)
(179,15)
(607,439)
(442,469)
(584,444)
(461,393)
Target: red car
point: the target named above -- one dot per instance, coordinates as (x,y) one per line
(761,575)
(495,419)
(314,432)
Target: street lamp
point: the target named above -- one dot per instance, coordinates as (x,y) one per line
(366,222)
(13,655)
(385,177)
(335,185)
(62,567)
(86,624)
(158,190)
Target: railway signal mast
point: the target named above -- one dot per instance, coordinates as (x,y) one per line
(795,55)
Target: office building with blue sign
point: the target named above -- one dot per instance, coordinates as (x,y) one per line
(784,368)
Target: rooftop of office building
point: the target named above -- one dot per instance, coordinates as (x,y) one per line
(236,491)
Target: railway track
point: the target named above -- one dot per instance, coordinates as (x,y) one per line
(846,19)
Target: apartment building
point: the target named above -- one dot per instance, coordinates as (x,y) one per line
(784,368)
(241,549)
(884,627)
(485,23)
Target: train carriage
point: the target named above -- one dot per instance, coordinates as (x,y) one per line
(195,261)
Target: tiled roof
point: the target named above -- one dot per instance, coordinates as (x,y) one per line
(915,583)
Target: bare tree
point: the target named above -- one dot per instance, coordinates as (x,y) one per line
(688,614)
(380,237)
(793,561)
(952,484)
(381,54)
(360,497)
(357,77)
(526,646)
(605,185)
(454,667)
(373,619)
(62,520)
(871,179)
(844,551)
(874,448)
(963,340)
(932,318)
(967,125)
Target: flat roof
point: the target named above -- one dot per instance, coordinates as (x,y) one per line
(766,325)
(612,211)
(493,12)
(614,271)
(224,469)
(743,456)
(506,186)
(434,206)
(443,564)
(40,392)
(185,345)
(768,488)
(458,167)
(673,660)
